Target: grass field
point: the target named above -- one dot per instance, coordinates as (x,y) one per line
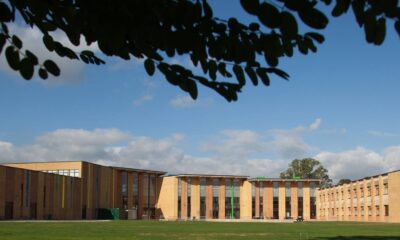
(196,230)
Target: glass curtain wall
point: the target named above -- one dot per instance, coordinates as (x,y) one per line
(313,204)
(261,186)
(135,191)
(300,199)
(203,183)
(253,199)
(228,198)
(215,191)
(189,194)
(288,207)
(275,204)
(236,199)
(179,198)
(124,189)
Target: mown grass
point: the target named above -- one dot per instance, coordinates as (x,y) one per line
(196,230)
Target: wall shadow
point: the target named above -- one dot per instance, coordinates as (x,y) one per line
(359,238)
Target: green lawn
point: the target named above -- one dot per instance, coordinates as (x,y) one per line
(196,230)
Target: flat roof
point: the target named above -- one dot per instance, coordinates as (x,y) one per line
(207,175)
(138,170)
(282,180)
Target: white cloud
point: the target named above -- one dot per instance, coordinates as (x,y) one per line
(381,134)
(188,102)
(72,71)
(316,124)
(182,102)
(143,99)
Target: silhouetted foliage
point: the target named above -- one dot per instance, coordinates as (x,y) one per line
(307,168)
(158,30)
(343,181)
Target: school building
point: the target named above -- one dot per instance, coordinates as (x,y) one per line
(83,190)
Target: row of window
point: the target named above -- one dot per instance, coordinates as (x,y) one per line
(64,172)
(335,195)
(355,211)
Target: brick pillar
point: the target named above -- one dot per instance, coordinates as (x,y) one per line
(381,201)
(268,200)
(195,197)
(209,198)
(257,202)
(184,197)
(282,198)
(306,200)
(293,200)
(221,199)
(141,195)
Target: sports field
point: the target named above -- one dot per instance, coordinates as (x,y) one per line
(196,230)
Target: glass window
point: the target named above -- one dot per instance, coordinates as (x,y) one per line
(215,206)
(124,189)
(203,183)
(135,190)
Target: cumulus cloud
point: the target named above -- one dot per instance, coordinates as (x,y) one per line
(188,102)
(316,124)
(381,134)
(360,162)
(72,71)
(142,100)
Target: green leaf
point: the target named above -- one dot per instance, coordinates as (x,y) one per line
(192,88)
(380,31)
(316,36)
(12,58)
(252,75)
(43,73)
(288,25)
(370,26)
(32,57)
(314,18)
(2,42)
(239,74)
(51,67)
(269,15)
(397,27)
(250,6)
(254,27)
(358,9)
(5,13)
(16,41)
(341,7)
(278,72)
(262,73)
(208,13)
(149,66)
(48,42)
(26,68)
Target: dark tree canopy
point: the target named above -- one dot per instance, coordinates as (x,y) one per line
(307,168)
(228,52)
(343,181)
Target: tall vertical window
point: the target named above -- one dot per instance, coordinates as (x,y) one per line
(179,197)
(228,199)
(236,199)
(135,190)
(145,193)
(288,198)
(275,204)
(124,189)
(27,187)
(253,199)
(152,196)
(300,199)
(215,190)
(313,205)
(203,183)
(261,186)
(189,195)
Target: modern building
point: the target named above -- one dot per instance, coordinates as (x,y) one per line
(83,190)
(371,199)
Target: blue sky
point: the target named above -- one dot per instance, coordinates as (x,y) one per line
(339,106)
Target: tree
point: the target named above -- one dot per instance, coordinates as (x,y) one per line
(227,51)
(307,168)
(343,181)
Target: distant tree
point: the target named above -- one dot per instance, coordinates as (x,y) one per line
(158,30)
(344,181)
(307,168)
